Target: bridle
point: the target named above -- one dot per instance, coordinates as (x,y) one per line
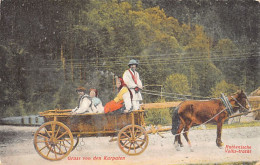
(241,106)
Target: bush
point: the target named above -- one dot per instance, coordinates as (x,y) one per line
(223,87)
(158,116)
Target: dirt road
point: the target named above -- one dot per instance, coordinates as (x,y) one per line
(16,148)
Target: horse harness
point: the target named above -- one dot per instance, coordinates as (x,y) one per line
(227,104)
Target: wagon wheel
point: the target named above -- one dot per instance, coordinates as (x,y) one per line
(53,140)
(132,139)
(75,142)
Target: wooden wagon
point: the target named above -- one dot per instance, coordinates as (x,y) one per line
(60,133)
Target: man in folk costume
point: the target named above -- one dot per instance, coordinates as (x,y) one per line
(133,82)
(84,104)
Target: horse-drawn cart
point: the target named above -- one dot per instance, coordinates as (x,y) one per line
(60,133)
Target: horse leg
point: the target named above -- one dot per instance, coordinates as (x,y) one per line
(220,144)
(177,141)
(185,134)
(179,137)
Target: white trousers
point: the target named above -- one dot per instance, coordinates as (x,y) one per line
(136,104)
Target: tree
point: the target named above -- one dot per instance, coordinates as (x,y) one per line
(223,87)
(178,84)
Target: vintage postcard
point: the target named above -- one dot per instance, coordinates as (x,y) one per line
(129,82)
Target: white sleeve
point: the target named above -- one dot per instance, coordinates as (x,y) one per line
(75,109)
(139,82)
(84,106)
(129,80)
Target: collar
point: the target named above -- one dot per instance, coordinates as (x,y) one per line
(227,104)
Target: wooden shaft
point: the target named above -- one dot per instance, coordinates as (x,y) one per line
(240,114)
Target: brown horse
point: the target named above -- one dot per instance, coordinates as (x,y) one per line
(194,112)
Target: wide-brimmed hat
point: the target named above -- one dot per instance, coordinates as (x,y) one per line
(133,62)
(81,89)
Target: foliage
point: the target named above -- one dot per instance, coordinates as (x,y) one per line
(158,117)
(177,83)
(49,48)
(224,87)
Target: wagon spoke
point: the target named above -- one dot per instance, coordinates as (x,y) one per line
(42,135)
(129,148)
(42,148)
(60,149)
(139,145)
(126,135)
(131,131)
(55,152)
(48,152)
(66,140)
(64,146)
(127,142)
(125,139)
(57,131)
(40,141)
(62,135)
(134,131)
(134,146)
(62,140)
(47,132)
(139,135)
(140,140)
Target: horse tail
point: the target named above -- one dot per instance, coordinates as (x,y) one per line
(175,121)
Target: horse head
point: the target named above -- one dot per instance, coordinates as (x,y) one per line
(241,102)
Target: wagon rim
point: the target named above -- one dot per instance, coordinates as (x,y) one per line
(132,140)
(53,140)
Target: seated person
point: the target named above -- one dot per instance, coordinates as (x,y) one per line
(97,106)
(123,98)
(84,103)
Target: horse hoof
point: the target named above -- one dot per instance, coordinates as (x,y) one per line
(220,145)
(177,147)
(181,145)
(191,150)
